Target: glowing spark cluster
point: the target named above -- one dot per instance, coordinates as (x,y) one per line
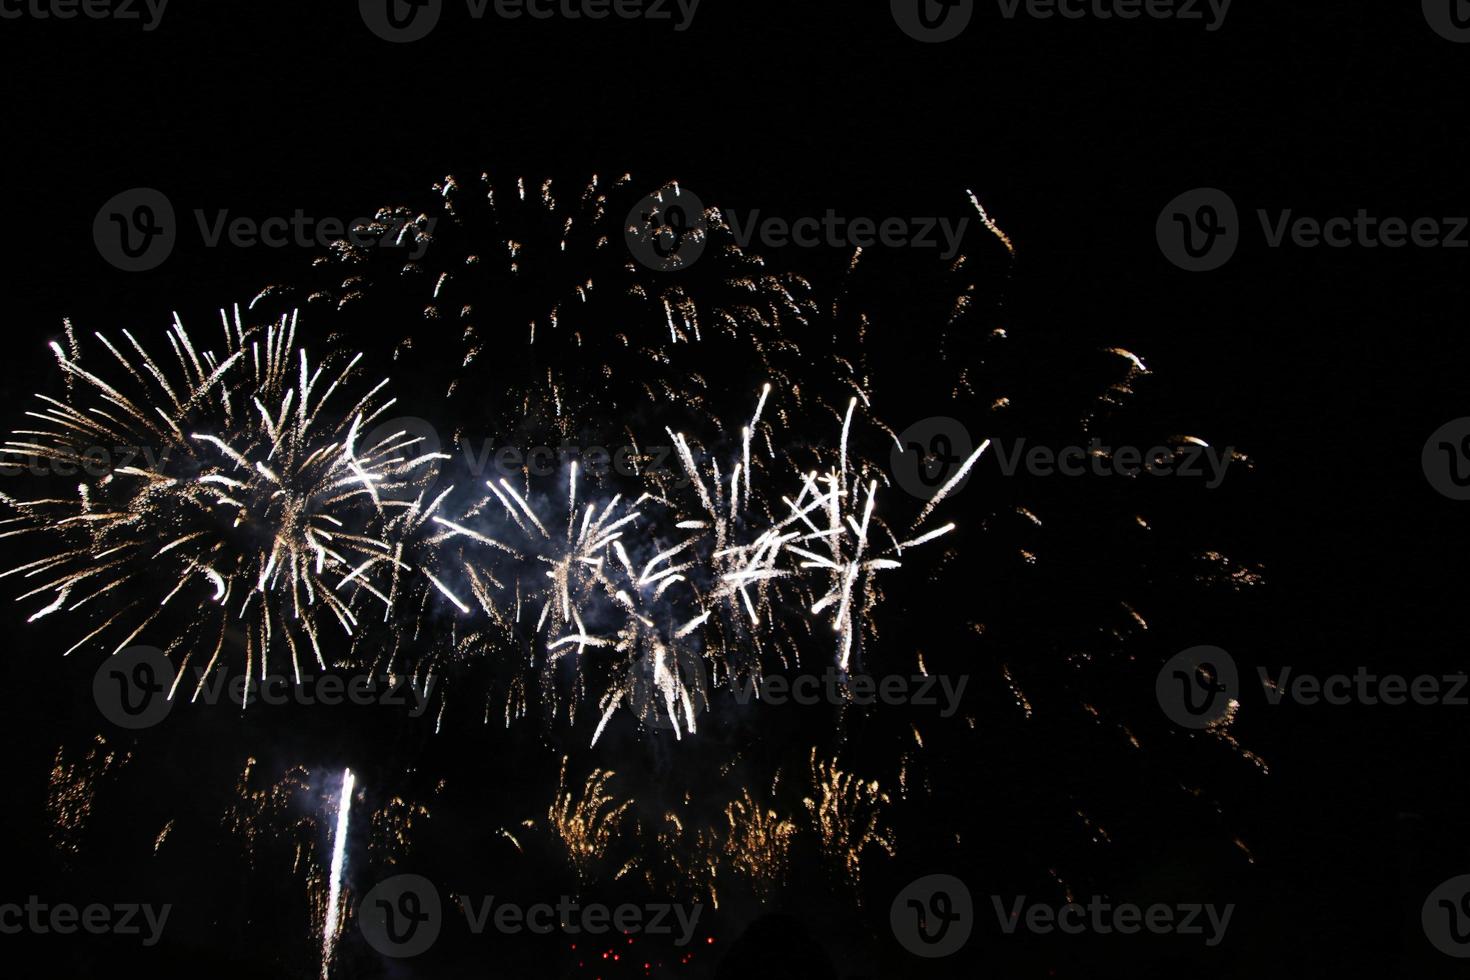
(72,790)
(849,813)
(252,502)
(586,822)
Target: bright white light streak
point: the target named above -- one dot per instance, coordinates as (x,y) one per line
(952,483)
(339,855)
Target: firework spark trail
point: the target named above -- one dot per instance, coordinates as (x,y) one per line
(586,822)
(849,816)
(749,839)
(333,927)
(715,578)
(757,843)
(72,790)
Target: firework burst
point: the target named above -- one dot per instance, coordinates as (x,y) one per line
(251,504)
(760,531)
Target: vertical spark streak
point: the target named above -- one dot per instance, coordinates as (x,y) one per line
(334,896)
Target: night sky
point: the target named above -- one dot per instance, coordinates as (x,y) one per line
(1060,777)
